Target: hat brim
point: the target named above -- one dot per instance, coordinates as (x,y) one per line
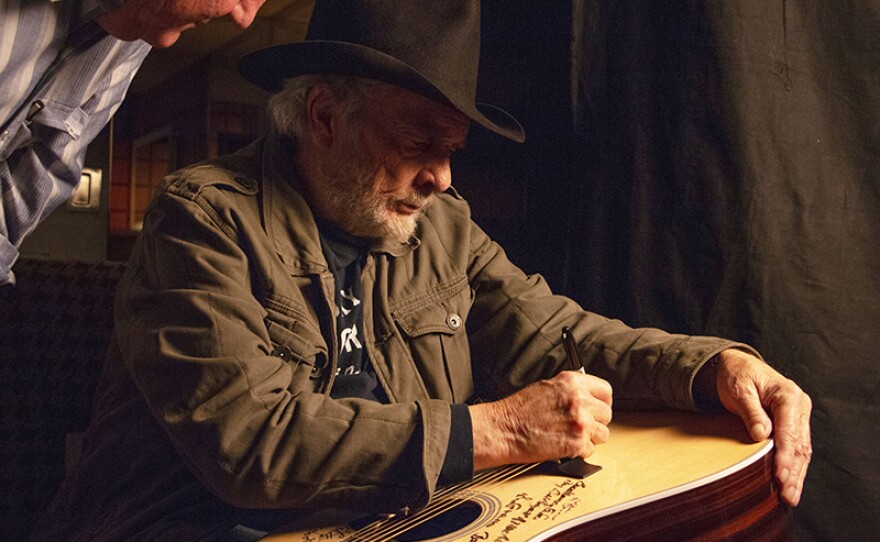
(268,68)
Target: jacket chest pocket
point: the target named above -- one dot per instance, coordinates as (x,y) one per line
(302,347)
(433,327)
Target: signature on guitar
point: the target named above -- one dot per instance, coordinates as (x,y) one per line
(666,476)
(524,508)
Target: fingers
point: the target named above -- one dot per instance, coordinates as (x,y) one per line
(597,387)
(791,409)
(792,460)
(750,388)
(586,391)
(585,405)
(746,403)
(737,382)
(600,433)
(566,416)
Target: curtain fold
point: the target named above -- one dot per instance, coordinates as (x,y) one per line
(729,183)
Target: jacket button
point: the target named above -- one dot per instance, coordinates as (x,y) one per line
(283,352)
(453,320)
(319,366)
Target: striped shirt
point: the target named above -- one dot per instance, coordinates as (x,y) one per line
(61,79)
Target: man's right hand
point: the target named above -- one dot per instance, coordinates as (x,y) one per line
(565,416)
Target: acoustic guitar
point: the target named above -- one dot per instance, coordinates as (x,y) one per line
(662,476)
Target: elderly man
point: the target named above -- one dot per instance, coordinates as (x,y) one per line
(308,323)
(65,66)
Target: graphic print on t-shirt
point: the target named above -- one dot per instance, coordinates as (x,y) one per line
(349,343)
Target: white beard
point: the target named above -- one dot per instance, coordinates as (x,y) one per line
(348,199)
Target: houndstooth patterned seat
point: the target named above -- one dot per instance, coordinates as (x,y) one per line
(55,325)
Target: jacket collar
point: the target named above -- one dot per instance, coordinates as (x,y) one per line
(287,217)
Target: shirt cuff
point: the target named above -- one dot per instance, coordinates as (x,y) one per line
(705,389)
(458,466)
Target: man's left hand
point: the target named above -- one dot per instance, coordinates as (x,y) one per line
(756,392)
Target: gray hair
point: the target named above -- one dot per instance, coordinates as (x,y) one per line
(288,107)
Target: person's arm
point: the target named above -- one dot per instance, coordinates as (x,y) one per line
(199,346)
(515,324)
(44,139)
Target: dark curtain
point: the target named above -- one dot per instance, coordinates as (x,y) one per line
(728,183)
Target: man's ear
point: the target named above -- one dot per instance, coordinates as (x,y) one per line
(321,111)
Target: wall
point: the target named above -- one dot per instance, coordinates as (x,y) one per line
(192,116)
(77,234)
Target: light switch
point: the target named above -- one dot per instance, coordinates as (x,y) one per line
(87,196)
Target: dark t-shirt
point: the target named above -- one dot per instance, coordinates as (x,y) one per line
(355,375)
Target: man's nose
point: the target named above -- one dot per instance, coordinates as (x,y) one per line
(244,12)
(437,175)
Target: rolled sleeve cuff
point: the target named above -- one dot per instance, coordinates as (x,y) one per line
(458,466)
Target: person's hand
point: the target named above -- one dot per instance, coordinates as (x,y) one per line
(565,416)
(753,390)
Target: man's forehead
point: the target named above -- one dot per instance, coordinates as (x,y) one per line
(402,107)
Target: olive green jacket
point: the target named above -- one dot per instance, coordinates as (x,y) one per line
(217,396)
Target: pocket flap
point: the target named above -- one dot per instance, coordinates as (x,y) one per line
(59,116)
(441,310)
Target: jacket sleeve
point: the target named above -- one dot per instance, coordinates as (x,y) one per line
(194,340)
(516,323)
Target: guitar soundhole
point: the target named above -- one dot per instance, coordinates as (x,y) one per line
(448,522)
(451,521)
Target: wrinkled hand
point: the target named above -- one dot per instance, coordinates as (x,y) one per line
(753,390)
(565,416)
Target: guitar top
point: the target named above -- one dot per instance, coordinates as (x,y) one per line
(665,475)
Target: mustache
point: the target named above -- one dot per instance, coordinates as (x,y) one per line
(416,200)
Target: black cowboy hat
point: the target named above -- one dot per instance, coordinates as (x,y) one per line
(431,47)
